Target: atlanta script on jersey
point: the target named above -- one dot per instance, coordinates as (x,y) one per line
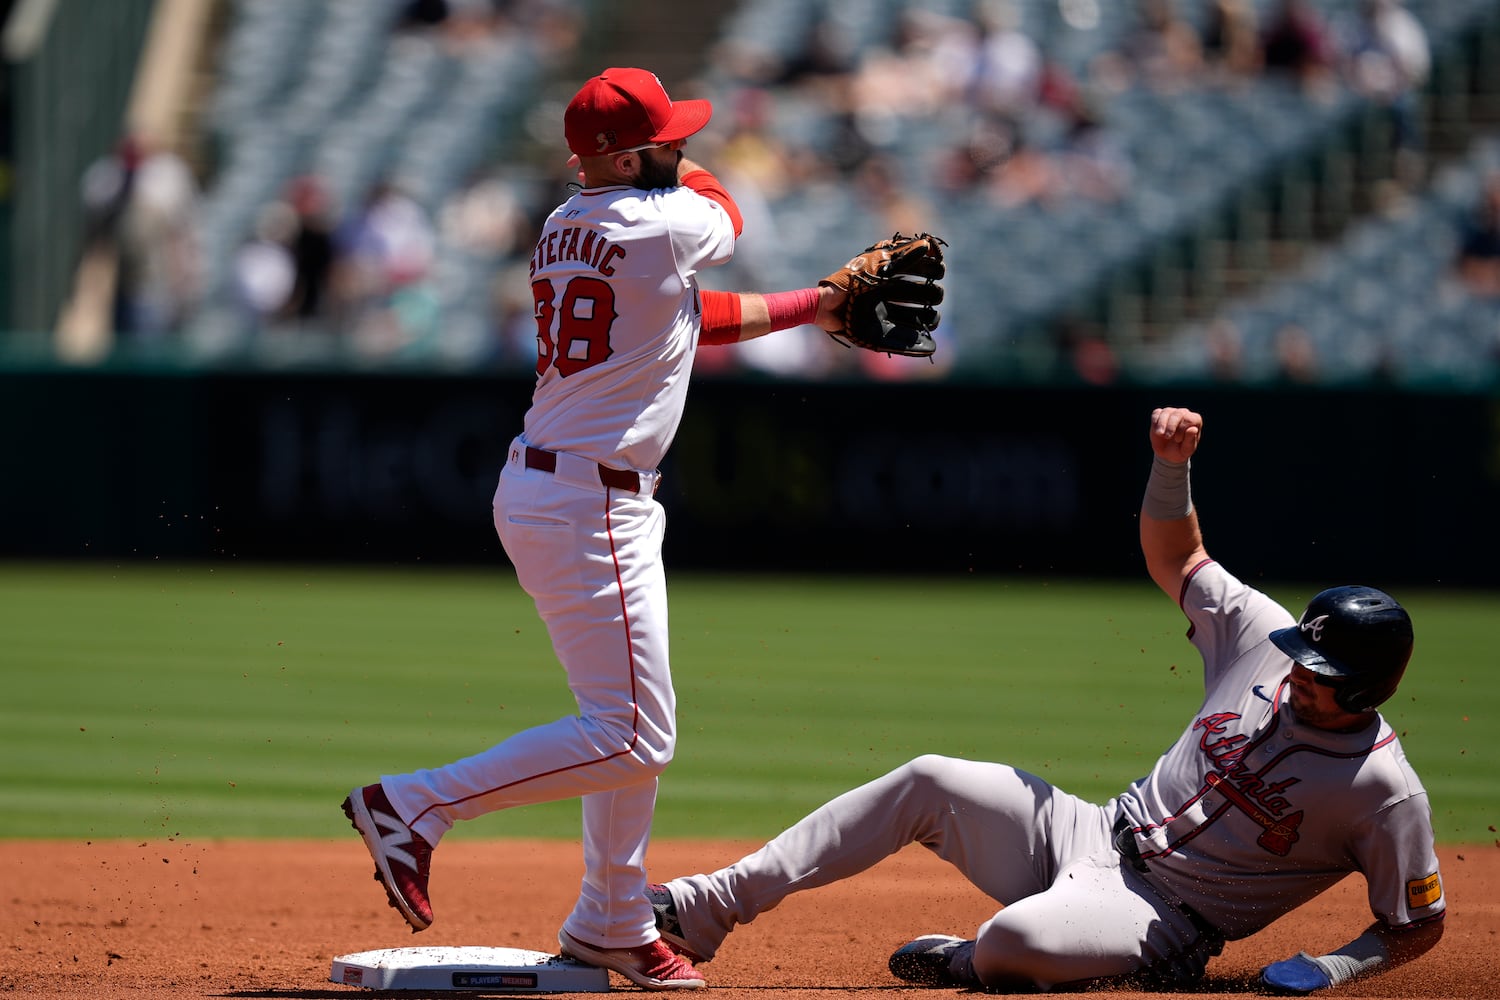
(1251,813)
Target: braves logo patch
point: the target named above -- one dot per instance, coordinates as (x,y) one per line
(1314,627)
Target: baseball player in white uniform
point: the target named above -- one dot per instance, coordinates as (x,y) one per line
(1285,780)
(619,317)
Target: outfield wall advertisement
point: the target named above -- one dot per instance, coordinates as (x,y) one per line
(1321,485)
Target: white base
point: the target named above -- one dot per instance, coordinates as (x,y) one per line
(491,970)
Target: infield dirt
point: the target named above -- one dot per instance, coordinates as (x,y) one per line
(264,919)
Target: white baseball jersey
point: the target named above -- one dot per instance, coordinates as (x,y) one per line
(618,319)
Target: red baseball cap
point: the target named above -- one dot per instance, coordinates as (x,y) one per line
(622,108)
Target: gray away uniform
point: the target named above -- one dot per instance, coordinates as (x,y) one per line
(1246,817)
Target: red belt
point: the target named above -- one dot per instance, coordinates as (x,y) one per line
(617,479)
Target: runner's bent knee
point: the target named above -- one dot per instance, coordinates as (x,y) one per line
(1006,954)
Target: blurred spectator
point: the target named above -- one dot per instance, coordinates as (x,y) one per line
(1479,243)
(465,24)
(994,156)
(1086,160)
(312,250)
(1026,175)
(1296,357)
(890,204)
(981,147)
(1296,43)
(1003,74)
(1092,161)
(515,317)
(749,146)
(748,60)
(554,28)
(1088,354)
(1061,92)
(416,15)
(140,207)
(845,143)
(1385,57)
(827,52)
(897,85)
(388,243)
(1224,347)
(384,254)
(264,270)
(1231,40)
(931,62)
(1162,51)
(487,230)
(106,190)
(487,218)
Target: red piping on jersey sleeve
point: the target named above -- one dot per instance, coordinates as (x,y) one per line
(721,317)
(1188,578)
(1182,594)
(709,187)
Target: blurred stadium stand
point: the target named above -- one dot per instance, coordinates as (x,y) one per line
(1234,184)
(56,122)
(1258,217)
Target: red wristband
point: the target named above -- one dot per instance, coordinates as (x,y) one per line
(721,317)
(789,309)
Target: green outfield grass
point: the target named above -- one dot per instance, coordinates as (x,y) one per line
(223,700)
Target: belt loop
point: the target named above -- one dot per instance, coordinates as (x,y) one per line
(544,461)
(620,479)
(627,480)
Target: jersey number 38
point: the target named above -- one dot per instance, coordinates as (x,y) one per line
(574,334)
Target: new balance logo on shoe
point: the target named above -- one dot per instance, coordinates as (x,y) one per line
(402,858)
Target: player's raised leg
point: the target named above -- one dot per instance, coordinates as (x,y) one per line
(402,858)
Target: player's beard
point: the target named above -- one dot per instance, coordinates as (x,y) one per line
(1305,707)
(1312,708)
(658,173)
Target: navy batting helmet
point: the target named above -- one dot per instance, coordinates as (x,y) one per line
(1359,636)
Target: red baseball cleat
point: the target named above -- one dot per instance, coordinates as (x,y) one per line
(651,966)
(402,859)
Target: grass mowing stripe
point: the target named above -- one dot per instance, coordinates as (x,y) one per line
(244,701)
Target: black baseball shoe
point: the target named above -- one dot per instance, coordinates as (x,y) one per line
(936,960)
(664,908)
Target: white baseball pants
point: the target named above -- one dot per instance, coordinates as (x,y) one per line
(590,557)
